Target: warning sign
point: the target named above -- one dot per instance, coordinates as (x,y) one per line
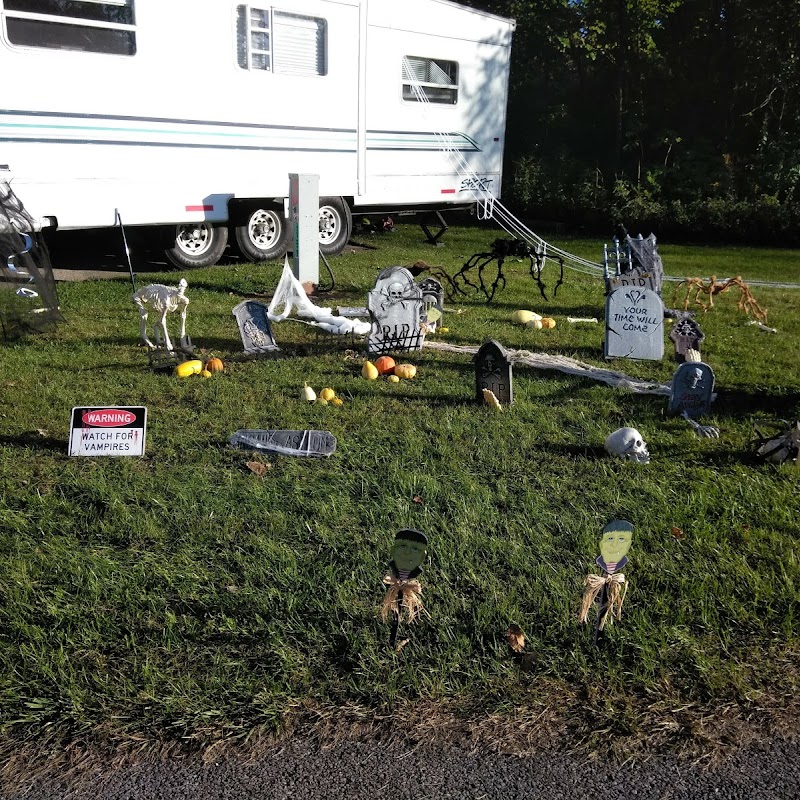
(107,431)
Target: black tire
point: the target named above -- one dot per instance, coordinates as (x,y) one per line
(264,235)
(197,244)
(335,225)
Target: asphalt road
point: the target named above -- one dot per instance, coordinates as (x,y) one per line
(366,771)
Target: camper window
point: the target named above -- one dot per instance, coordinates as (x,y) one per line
(430,80)
(95,26)
(280,42)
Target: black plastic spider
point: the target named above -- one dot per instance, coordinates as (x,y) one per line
(501,249)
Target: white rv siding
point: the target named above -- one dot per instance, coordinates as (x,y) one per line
(174,132)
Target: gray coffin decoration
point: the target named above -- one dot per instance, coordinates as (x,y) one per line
(433,302)
(692,389)
(254,327)
(634,324)
(493,371)
(317,444)
(686,335)
(396,310)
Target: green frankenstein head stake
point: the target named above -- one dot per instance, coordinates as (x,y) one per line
(614,545)
(404,592)
(610,587)
(408,552)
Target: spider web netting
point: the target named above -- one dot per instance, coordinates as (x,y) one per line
(28,298)
(290,294)
(645,256)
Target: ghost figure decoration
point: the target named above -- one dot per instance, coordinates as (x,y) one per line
(628,443)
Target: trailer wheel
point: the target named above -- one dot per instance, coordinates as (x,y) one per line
(264,235)
(335,225)
(197,244)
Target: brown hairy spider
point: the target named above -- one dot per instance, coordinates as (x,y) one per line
(746,303)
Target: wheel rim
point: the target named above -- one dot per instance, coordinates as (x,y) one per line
(194,240)
(263,229)
(330,225)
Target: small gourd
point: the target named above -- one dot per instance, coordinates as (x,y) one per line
(405,370)
(537,324)
(205,373)
(215,364)
(523,317)
(327,394)
(307,393)
(369,371)
(393,379)
(548,322)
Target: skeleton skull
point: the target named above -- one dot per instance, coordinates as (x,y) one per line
(396,291)
(694,379)
(628,443)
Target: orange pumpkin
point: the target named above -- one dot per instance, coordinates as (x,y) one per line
(215,365)
(385,365)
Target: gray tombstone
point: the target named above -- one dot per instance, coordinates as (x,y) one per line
(433,302)
(634,324)
(692,389)
(493,372)
(396,311)
(686,335)
(254,327)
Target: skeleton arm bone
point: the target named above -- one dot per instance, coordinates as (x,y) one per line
(707,431)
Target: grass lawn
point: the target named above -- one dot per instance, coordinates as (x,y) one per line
(182,596)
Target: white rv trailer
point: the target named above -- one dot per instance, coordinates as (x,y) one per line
(190,114)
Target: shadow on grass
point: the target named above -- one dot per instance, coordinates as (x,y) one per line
(740,404)
(34,440)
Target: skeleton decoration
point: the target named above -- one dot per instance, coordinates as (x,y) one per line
(783,447)
(628,443)
(163,300)
(611,586)
(397,310)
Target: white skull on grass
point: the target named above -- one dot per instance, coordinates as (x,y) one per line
(628,443)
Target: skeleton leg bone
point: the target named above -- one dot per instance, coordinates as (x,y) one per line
(143,328)
(163,324)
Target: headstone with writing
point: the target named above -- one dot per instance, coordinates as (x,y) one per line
(433,302)
(692,389)
(685,335)
(493,372)
(254,327)
(396,312)
(317,444)
(634,324)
